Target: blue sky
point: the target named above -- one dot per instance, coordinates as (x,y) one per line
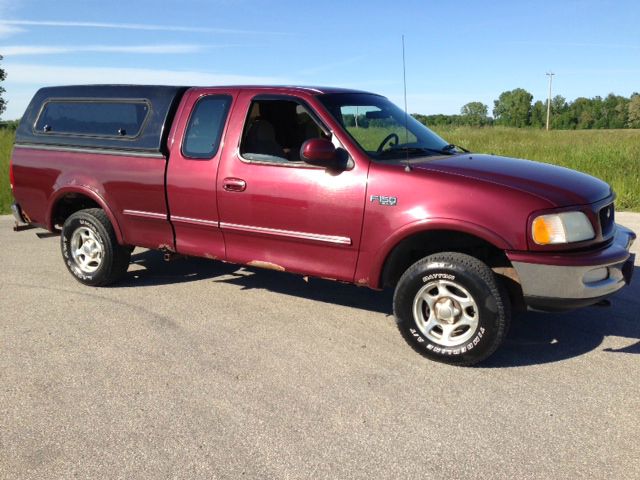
(456,51)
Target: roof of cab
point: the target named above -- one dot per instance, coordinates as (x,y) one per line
(309,89)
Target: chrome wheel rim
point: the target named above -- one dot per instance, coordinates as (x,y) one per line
(446,313)
(86,250)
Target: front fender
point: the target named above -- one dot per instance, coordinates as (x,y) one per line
(371,274)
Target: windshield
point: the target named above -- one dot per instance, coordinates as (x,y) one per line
(378,126)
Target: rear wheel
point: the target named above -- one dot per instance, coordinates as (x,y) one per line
(450,308)
(90,249)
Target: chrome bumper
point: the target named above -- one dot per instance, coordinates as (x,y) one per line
(564,287)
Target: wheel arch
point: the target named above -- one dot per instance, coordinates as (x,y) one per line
(420,239)
(70,199)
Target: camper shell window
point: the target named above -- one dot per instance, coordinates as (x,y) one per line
(93,117)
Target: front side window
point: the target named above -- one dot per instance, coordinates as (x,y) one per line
(276,129)
(204,131)
(382,129)
(100,118)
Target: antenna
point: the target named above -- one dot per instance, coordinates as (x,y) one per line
(404,81)
(407,167)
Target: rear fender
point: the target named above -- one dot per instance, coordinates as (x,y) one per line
(88,192)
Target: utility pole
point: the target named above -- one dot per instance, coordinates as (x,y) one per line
(550,75)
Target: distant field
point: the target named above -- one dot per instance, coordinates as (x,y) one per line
(613,155)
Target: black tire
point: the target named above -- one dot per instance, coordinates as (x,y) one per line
(470,315)
(101,260)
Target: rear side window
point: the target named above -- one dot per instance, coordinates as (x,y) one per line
(95,117)
(204,131)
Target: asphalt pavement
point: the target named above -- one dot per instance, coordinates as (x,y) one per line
(199,369)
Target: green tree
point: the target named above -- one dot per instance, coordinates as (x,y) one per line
(633,111)
(614,109)
(513,108)
(475,114)
(3,103)
(558,105)
(538,114)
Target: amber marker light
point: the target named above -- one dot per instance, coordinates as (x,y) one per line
(565,227)
(541,233)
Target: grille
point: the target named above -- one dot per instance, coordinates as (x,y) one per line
(607,219)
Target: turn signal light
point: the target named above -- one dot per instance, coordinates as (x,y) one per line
(565,227)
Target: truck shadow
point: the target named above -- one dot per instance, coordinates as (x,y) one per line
(534,338)
(150,269)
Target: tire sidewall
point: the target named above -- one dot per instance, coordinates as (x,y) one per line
(74,222)
(483,340)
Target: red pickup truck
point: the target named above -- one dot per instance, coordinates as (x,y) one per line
(333,183)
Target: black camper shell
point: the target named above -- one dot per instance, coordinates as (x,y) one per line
(105,117)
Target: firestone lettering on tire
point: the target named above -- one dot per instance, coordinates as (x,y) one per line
(449,351)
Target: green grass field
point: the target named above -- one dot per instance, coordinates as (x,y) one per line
(6,143)
(613,155)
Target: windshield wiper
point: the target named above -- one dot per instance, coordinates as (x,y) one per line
(451,146)
(414,151)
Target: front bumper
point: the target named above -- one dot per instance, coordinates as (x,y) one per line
(564,281)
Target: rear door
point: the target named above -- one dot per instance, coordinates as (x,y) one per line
(277,211)
(195,150)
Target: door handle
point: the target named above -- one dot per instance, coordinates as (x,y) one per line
(234,184)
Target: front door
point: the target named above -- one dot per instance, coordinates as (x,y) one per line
(277,211)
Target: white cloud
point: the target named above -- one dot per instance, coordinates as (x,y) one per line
(132,26)
(16,50)
(8,30)
(34,74)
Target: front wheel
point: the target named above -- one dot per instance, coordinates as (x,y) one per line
(450,308)
(90,249)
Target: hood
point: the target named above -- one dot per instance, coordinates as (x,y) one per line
(560,186)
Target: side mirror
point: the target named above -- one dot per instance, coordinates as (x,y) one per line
(321,152)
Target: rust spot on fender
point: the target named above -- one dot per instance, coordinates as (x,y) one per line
(267,265)
(210,256)
(508,272)
(362,281)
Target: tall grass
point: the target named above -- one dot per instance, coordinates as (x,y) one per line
(6,144)
(613,155)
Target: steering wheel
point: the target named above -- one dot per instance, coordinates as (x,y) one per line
(386,140)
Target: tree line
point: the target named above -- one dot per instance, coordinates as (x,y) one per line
(3,75)
(515,108)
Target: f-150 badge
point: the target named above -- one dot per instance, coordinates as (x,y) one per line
(384,200)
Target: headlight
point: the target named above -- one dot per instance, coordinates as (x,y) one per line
(564,227)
